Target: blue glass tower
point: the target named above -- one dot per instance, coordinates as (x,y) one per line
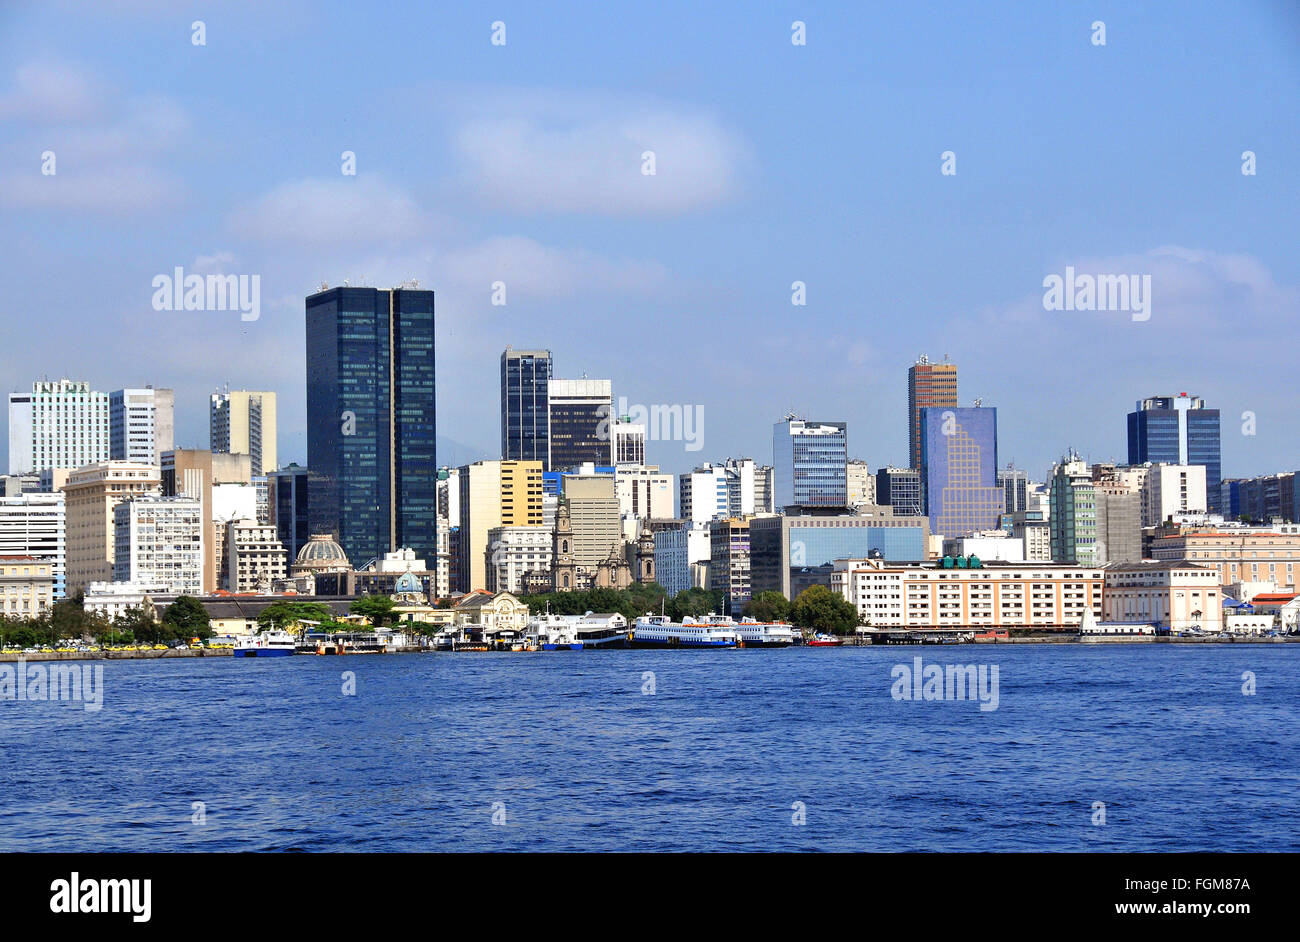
(959,468)
(525,410)
(371,420)
(1178,430)
(810,463)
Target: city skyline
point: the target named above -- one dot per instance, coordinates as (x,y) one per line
(757,187)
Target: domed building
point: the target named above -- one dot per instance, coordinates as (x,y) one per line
(321,553)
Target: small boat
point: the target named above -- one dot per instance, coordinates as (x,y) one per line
(275,643)
(822,640)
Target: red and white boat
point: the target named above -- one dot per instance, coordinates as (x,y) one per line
(820,640)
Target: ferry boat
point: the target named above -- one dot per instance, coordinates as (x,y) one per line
(579,632)
(757,634)
(274,643)
(709,631)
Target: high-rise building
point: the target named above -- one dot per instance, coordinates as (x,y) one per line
(289,507)
(1177,430)
(59,424)
(899,488)
(242,421)
(959,465)
(34,524)
(141,424)
(1073,517)
(643,492)
(861,484)
(91,496)
(729,562)
(493,494)
(370,420)
(525,406)
(255,557)
(197,473)
(810,463)
(595,519)
(1173,489)
(1015,486)
(581,423)
(929,385)
(629,442)
(159,541)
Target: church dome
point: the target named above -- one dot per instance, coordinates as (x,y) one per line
(321,552)
(407,584)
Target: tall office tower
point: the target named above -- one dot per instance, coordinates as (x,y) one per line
(91,496)
(959,470)
(1177,430)
(370,420)
(288,507)
(525,406)
(810,463)
(581,423)
(34,524)
(1073,516)
(242,421)
(1015,485)
(929,385)
(493,494)
(629,442)
(196,473)
(141,424)
(60,424)
(899,488)
(159,541)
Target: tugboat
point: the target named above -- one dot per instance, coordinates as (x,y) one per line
(275,643)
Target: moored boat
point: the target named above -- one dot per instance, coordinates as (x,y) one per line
(274,643)
(821,640)
(757,634)
(708,631)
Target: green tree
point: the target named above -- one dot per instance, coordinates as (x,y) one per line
(693,602)
(820,609)
(377,608)
(138,625)
(187,618)
(283,614)
(769,606)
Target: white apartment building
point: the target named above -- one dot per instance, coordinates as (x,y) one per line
(682,557)
(643,492)
(513,552)
(1172,489)
(59,424)
(255,557)
(736,488)
(159,540)
(141,424)
(113,599)
(34,524)
(992,595)
(1174,595)
(629,442)
(989,547)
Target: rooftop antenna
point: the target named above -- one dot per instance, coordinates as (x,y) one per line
(922,360)
(324,286)
(978,402)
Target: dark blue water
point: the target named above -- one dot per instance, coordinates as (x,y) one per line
(580,759)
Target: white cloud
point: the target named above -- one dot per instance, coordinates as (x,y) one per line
(51,93)
(584,155)
(123,189)
(319,210)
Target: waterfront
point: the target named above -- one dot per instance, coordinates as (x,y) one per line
(579,758)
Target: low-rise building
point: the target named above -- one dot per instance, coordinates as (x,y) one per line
(26,586)
(1171,595)
(960,593)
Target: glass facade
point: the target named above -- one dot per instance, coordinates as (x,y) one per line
(1178,430)
(810,463)
(789,553)
(371,420)
(959,468)
(525,414)
(900,488)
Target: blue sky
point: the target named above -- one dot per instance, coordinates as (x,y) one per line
(774,163)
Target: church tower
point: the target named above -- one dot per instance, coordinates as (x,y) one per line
(645,557)
(563,570)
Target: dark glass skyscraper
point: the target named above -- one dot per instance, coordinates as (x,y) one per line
(525,411)
(1177,430)
(371,420)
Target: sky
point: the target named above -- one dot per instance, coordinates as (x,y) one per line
(774,163)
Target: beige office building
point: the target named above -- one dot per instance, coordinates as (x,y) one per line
(1238,556)
(26,586)
(91,495)
(594,517)
(242,421)
(494,494)
(1166,594)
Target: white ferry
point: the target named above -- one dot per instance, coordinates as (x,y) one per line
(275,643)
(708,631)
(579,632)
(757,634)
